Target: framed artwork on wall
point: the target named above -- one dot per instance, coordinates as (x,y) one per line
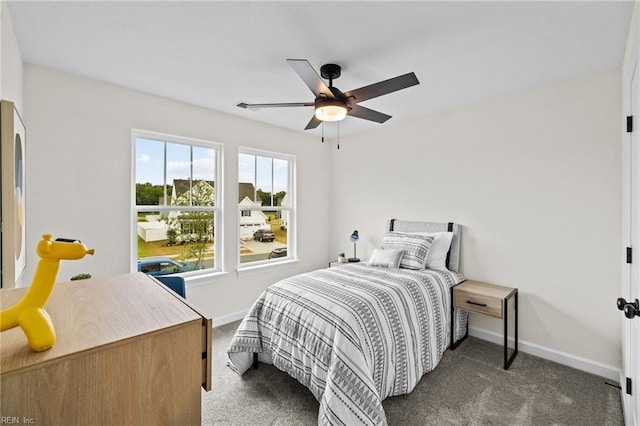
(13,138)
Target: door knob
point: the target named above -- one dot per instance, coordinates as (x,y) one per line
(630,309)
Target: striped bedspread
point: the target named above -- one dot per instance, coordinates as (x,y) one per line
(354,335)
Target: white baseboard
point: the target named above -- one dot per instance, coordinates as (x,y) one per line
(226,319)
(593,367)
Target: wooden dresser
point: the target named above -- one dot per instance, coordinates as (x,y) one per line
(129,351)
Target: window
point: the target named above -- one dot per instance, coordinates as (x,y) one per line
(178,210)
(266,206)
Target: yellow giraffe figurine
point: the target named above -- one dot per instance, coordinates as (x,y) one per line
(29,312)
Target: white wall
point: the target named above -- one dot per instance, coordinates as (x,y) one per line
(11,89)
(534,178)
(2,27)
(10,62)
(79,174)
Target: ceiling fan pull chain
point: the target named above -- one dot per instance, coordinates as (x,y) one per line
(323,132)
(338,135)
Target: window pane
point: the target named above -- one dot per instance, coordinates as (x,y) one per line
(204,170)
(202,193)
(179,173)
(261,236)
(281,182)
(264,181)
(246,168)
(149,172)
(171,240)
(182,239)
(263,232)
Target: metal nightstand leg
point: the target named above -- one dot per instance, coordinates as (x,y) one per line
(453,345)
(505,308)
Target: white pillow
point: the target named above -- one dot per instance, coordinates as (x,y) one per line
(437,256)
(416,247)
(386,258)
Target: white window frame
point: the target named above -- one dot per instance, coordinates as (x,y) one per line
(218,196)
(292,254)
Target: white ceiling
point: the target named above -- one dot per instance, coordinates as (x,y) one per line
(216,54)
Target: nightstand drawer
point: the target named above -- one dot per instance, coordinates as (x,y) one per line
(480,303)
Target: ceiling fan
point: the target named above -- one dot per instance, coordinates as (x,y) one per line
(330,103)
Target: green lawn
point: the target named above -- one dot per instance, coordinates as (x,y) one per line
(281,234)
(143,251)
(160,248)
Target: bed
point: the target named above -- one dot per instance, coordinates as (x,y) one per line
(357,334)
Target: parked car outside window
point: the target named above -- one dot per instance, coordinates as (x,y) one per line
(279,252)
(164,266)
(264,235)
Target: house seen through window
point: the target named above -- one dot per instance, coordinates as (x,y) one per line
(177,207)
(266,207)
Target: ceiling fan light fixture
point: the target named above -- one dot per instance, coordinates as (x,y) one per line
(330,110)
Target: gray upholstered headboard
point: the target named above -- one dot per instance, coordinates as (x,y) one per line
(453,259)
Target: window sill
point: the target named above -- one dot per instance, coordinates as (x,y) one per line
(205,278)
(248,270)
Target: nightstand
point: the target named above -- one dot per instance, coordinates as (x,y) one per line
(493,300)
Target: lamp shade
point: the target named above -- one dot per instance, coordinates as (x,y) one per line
(354,237)
(330,110)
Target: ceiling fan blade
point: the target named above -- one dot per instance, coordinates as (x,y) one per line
(367,114)
(259,106)
(313,123)
(383,87)
(303,68)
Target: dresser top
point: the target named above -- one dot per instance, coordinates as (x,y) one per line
(91,314)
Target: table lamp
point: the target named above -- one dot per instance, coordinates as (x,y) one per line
(354,239)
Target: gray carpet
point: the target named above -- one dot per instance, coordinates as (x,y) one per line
(468,387)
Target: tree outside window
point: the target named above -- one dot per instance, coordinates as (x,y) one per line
(176,201)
